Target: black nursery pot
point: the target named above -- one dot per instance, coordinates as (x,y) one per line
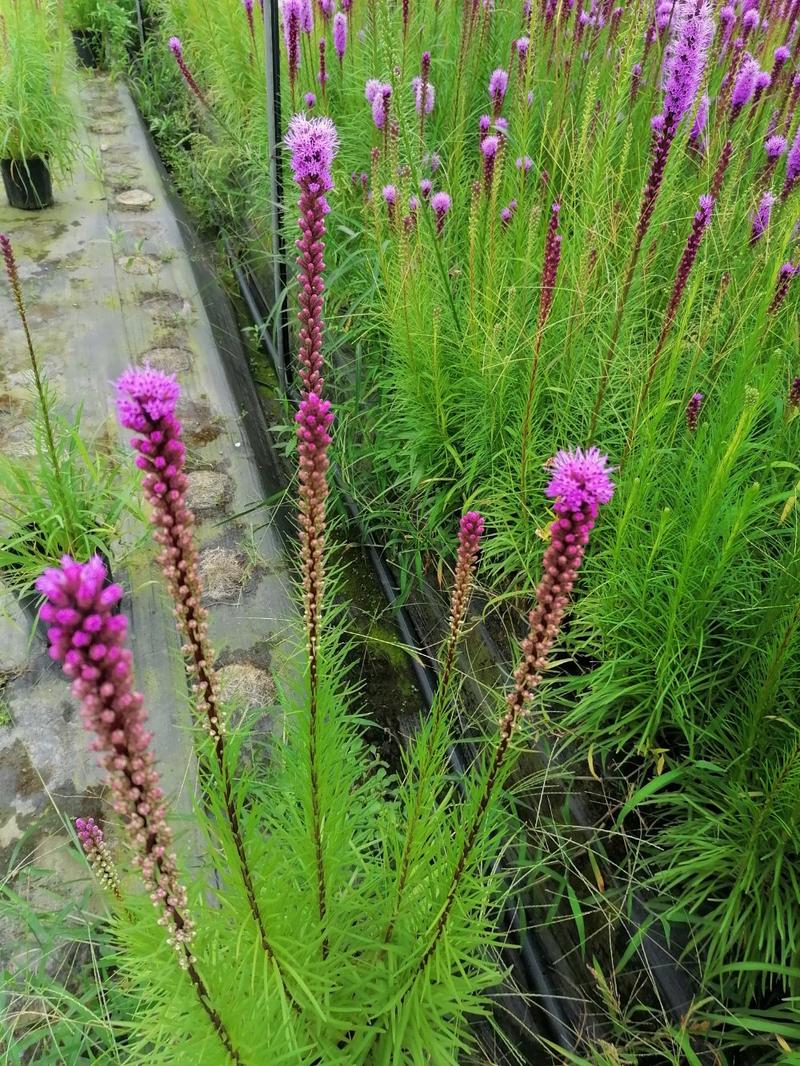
(28,184)
(87,45)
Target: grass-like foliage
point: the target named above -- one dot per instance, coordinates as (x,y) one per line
(37,118)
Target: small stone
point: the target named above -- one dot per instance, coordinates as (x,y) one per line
(167,360)
(134,200)
(208,491)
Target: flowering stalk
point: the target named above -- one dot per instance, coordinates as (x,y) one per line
(498,85)
(693,411)
(761,217)
(98,856)
(699,225)
(292,21)
(89,641)
(322,77)
(794,392)
(552,258)
(313,145)
(44,403)
(176,48)
(340,35)
(441,204)
(792,167)
(785,275)
(685,61)
(580,484)
(470,532)
(146,403)
(248,10)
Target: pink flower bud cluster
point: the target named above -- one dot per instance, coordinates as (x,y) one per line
(314,419)
(785,275)
(293,16)
(89,640)
(146,403)
(552,258)
(97,854)
(693,411)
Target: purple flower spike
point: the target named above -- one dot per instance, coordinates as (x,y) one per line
(441,204)
(97,854)
(380,106)
(685,58)
(310,101)
(89,640)
(775,146)
(176,48)
(744,86)
(693,411)
(371,89)
(785,275)
(293,15)
(313,144)
(762,216)
(425,188)
(340,34)
(794,393)
(507,213)
(424,95)
(490,146)
(524,163)
(700,120)
(792,166)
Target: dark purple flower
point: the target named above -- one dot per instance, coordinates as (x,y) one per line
(785,275)
(693,411)
(762,216)
(794,392)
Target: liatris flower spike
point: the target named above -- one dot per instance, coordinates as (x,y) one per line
(792,166)
(389,193)
(579,486)
(498,84)
(794,393)
(424,96)
(313,144)
(97,854)
(785,275)
(685,59)
(441,204)
(340,35)
(693,411)
(176,48)
(292,23)
(490,146)
(470,532)
(89,640)
(310,101)
(761,217)
(248,10)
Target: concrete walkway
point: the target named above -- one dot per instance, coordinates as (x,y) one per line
(109,282)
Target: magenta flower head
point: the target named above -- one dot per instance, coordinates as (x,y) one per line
(693,411)
(521,46)
(775,146)
(327,7)
(498,84)
(371,89)
(750,20)
(507,213)
(310,101)
(306,16)
(89,640)
(700,120)
(441,204)
(524,163)
(313,144)
(380,106)
(685,58)
(425,188)
(340,34)
(761,217)
(580,482)
(484,124)
(389,194)
(424,95)
(176,48)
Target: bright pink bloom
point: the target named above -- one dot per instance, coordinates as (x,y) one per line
(441,204)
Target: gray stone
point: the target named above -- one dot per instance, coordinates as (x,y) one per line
(134,200)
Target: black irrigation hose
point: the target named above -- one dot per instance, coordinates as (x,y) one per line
(527,960)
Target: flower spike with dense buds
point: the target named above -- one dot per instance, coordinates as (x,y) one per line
(176,48)
(794,392)
(785,275)
(761,217)
(98,856)
(792,166)
(470,531)
(498,84)
(146,403)
(579,486)
(693,411)
(89,640)
(293,15)
(340,35)
(313,144)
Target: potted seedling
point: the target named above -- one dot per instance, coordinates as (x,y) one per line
(37,123)
(99,28)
